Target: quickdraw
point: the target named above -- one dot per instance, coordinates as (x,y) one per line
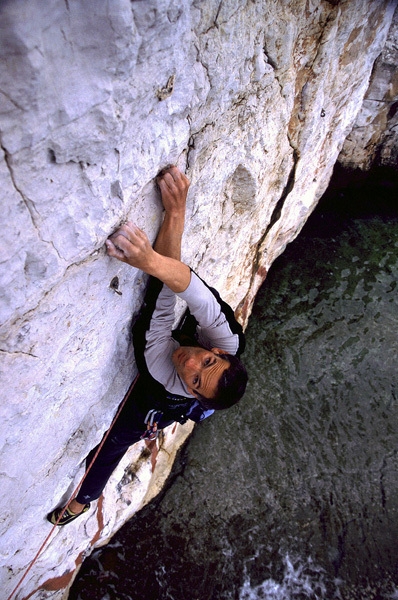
(152,419)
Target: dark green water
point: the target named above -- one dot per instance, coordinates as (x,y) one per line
(293,493)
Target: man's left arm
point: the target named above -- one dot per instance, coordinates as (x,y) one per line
(218,327)
(173,187)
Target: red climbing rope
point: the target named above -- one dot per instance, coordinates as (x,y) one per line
(75,491)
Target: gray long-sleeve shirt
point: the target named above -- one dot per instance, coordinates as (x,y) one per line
(213,331)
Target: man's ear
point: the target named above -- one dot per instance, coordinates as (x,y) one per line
(219,351)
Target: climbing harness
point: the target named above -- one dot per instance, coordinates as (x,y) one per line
(75,491)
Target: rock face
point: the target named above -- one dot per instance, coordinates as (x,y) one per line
(254,101)
(374,137)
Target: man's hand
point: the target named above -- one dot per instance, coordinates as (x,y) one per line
(173,187)
(131,245)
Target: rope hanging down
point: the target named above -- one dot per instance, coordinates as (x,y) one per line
(40,550)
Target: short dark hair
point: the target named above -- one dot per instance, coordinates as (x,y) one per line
(231,386)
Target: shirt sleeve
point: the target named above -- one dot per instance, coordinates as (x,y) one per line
(214,330)
(160,344)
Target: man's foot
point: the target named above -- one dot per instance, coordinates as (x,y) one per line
(67,515)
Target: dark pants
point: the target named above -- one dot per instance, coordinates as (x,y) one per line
(127,430)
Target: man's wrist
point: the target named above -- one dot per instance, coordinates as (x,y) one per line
(175,215)
(174,222)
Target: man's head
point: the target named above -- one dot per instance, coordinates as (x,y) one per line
(217,379)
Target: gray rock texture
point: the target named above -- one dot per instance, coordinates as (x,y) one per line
(374,137)
(253,99)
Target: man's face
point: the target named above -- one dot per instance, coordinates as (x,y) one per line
(200,369)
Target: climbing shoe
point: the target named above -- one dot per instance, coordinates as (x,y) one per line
(67,517)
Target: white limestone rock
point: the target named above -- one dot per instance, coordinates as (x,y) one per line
(254,101)
(374,137)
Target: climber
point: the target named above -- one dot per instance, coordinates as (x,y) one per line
(184,374)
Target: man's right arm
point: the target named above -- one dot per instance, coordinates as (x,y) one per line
(130,244)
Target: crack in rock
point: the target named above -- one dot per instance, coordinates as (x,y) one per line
(25,315)
(29,205)
(18,353)
(276,213)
